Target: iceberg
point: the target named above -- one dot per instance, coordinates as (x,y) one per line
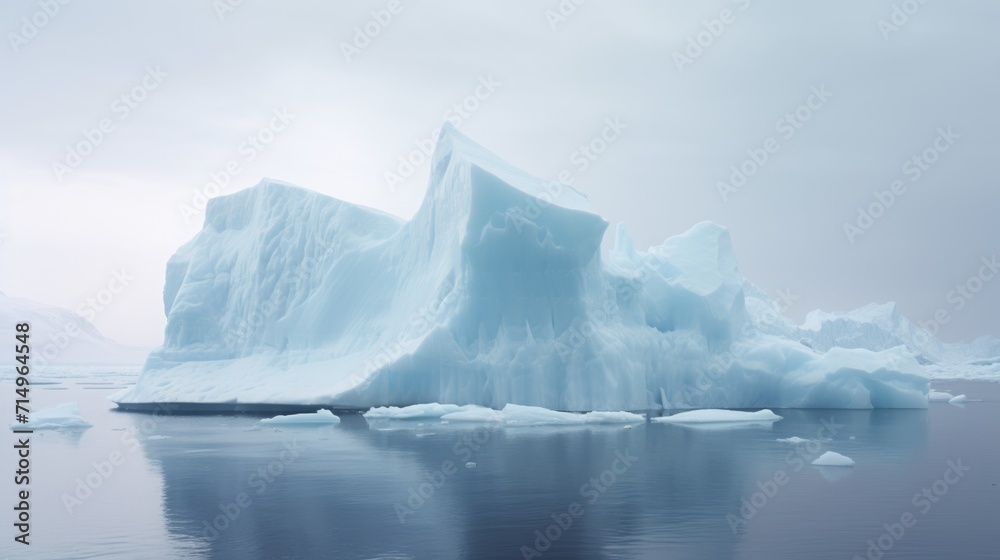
(514,415)
(833,459)
(416,411)
(318,418)
(495,292)
(709,416)
(794,440)
(879,327)
(939,396)
(62,417)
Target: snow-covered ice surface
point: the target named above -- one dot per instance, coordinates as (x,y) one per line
(319,417)
(833,459)
(710,416)
(495,292)
(65,416)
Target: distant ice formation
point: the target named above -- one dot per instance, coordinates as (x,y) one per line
(61,337)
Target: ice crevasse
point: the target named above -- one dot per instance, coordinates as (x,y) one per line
(495,292)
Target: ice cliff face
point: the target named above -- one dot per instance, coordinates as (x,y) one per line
(495,292)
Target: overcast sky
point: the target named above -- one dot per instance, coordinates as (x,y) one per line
(199,79)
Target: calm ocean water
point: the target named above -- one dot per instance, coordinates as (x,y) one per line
(925,486)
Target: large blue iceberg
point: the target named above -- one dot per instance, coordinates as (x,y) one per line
(494,293)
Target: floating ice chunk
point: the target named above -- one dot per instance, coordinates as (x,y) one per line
(320,417)
(603,417)
(833,459)
(157,437)
(431,410)
(63,417)
(470,465)
(717,416)
(515,414)
(511,415)
(939,396)
(960,399)
(795,440)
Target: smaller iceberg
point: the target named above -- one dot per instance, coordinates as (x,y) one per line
(794,440)
(511,415)
(413,412)
(939,396)
(318,418)
(960,399)
(63,417)
(717,416)
(833,459)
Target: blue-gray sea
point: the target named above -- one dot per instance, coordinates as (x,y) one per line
(137,486)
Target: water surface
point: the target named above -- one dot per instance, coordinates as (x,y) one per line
(218,486)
